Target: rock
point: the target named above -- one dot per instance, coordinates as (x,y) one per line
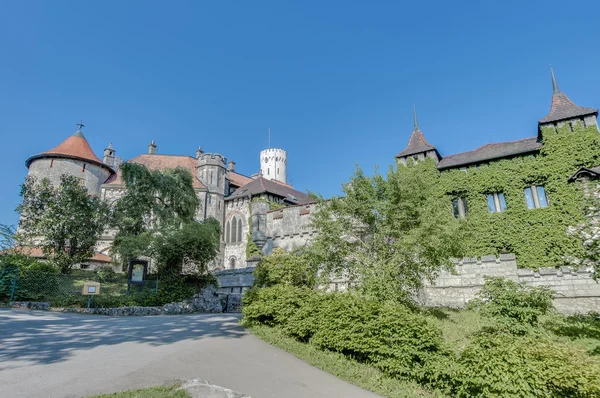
(202,389)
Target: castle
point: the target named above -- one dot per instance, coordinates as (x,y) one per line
(264,208)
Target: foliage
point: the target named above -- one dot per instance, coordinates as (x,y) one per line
(512,306)
(191,242)
(251,248)
(391,233)
(360,374)
(393,338)
(65,221)
(155,217)
(537,236)
(7,236)
(280,267)
(273,205)
(105,273)
(588,233)
(504,365)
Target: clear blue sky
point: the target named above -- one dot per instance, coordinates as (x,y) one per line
(334,80)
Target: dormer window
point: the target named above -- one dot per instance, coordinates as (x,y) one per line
(496,202)
(535,196)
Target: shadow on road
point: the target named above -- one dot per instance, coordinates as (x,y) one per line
(46,337)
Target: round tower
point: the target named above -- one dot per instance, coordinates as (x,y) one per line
(73,157)
(273,164)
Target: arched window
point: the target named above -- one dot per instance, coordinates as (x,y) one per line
(232,263)
(239,236)
(227,231)
(233,230)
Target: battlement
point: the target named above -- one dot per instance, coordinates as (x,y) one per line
(214,159)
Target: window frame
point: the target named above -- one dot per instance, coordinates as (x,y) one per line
(460,209)
(498,200)
(536,198)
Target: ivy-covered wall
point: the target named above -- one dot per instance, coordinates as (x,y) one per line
(536,236)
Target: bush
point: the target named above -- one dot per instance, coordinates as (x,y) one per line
(512,306)
(285,268)
(105,273)
(505,365)
(275,305)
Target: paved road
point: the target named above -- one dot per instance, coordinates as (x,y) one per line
(44,354)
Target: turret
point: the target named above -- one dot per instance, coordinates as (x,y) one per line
(109,156)
(259,222)
(418,148)
(564,111)
(152,148)
(273,164)
(212,172)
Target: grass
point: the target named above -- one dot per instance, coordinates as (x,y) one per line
(338,365)
(152,392)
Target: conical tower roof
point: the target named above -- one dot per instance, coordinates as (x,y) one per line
(562,107)
(74,147)
(416,142)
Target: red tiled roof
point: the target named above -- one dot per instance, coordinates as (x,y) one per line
(416,144)
(563,108)
(162,162)
(76,147)
(238,179)
(37,252)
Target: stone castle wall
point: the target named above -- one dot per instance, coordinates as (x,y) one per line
(290,228)
(237,251)
(576,291)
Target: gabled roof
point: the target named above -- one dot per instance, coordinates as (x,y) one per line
(593,172)
(74,147)
(416,142)
(562,107)
(162,162)
(490,152)
(238,179)
(261,185)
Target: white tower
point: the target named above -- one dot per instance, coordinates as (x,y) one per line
(273,163)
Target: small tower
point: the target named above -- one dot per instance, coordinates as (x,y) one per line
(212,171)
(563,111)
(109,156)
(152,148)
(418,148)
(273,164)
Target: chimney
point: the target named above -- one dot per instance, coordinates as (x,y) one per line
(231,165)
(152,148)
(199,152)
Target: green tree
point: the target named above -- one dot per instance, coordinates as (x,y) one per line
(390,234)
(156,217)
(65,221)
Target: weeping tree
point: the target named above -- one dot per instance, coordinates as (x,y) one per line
(156,217)
(65,221)
(388,234)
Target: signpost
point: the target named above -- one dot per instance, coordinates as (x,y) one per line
(90,289)
(138,271)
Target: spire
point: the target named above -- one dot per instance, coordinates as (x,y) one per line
(562,108)
(79,133)
(554,84)
(415,116)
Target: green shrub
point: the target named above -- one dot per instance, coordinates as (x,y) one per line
(505,365)
(105,273)
(512,306)
(285,268)
(274,305)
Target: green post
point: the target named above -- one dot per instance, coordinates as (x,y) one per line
(14,285)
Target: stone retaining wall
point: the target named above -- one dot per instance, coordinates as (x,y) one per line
(576,291)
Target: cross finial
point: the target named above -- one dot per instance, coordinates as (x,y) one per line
(554,84)
(415,116)
(80,124)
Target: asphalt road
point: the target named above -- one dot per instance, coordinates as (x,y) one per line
(45,354)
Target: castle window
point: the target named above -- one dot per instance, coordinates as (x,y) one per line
(496,202)
(268,171)
(234,230)
(227,232)
(239,237)
(211,177)
(232,263)
(83,169)
(278,170)
(535,196)
(459,207)
(51,162)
